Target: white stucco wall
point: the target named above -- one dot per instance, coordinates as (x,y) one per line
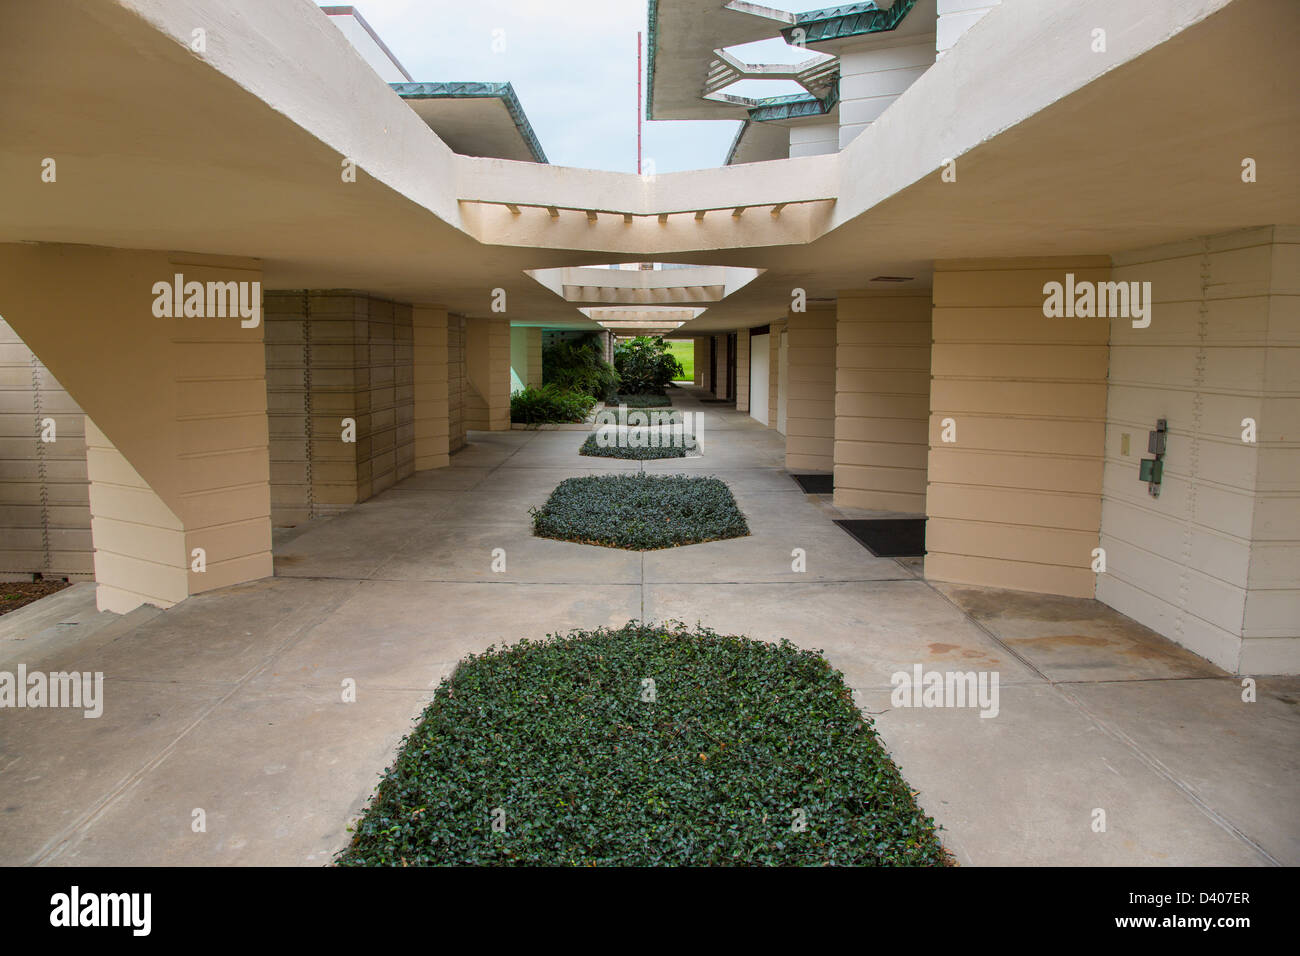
(873,77)
(814,140)
(956,17)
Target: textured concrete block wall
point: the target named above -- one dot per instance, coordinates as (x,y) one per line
(456,383)
(1015,500)
(882,400)
(810,394)
(487,365)
(44,489)
(335,356)
(742,370)
(182,413)
(431,377)
(1213,562)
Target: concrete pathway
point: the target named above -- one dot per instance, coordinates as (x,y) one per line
(228,708)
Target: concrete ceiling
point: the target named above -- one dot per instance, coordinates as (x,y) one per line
(474,126)
(237,151)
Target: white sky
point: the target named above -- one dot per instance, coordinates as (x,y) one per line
(573,66)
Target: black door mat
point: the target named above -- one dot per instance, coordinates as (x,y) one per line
(816,484)
(718,401)
(889,537)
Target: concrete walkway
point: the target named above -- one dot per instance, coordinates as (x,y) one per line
(231,703)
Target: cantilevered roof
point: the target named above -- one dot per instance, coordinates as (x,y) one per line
(475,119)
(1041,127)
(682,38)
(851,20)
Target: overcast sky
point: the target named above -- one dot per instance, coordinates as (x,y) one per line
(573,66)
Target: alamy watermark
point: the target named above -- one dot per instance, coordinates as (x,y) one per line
(922,688)
(649,428)
(208,300)
(77,690)
(1101,300)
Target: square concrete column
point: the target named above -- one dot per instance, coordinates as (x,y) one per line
(177,429)
(742,370)
(1017,427)
(431,394)
(341,396)
(457,383)
(487,365)
(810,401)
(882,400)
(775,384)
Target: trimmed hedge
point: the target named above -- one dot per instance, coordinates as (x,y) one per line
(595,449)
(644,401)
(581,762)
(640,512)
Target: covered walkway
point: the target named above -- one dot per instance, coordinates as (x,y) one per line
(231,703)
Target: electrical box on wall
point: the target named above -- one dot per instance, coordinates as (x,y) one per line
(1152,470)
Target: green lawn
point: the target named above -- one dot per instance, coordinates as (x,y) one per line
(684,351)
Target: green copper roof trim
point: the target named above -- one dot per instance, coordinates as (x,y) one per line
(735,143)
(794,106)
(848,20)
(502,91)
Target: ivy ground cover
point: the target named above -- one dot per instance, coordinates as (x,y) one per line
(641,746)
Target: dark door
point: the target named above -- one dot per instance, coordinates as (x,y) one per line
(731,366)
(713,365)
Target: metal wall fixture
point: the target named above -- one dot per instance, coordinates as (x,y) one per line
(1152,470)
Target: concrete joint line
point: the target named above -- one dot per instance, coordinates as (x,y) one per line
(58,843)
(1151,762)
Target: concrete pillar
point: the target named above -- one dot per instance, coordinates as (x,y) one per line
(742,370)
(810,409)
(44,489)
(336,356)
(776,330)
(456,383)
(487,364)
(701,360)
(882,400)
(1213,562)
(431,377)
(177,437)
(1015,500)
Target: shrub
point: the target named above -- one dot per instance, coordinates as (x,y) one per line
(594,448)
(645,365)
(643,401)
(640,512)
(563,741)
(549,405)
(579,366)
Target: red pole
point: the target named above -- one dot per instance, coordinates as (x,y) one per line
(638,102)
